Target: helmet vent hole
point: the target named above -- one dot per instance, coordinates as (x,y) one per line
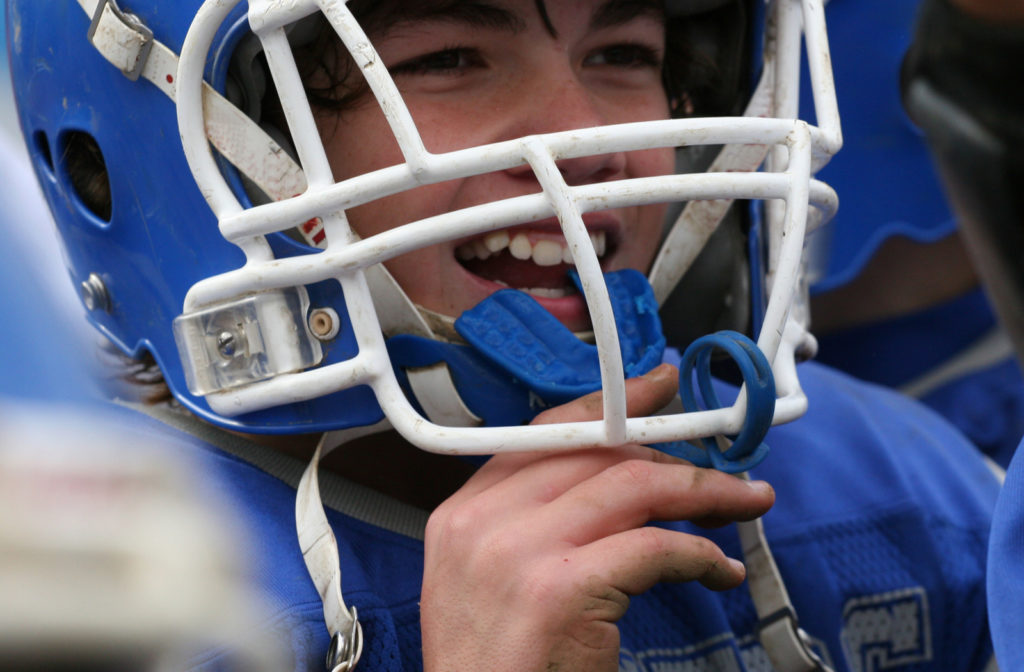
(41,145)
(86,173)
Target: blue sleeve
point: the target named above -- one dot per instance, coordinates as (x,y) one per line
(1006,569)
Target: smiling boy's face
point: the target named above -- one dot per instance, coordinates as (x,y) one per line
(474,73)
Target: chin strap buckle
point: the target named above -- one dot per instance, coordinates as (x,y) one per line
(346,647)
(121,37)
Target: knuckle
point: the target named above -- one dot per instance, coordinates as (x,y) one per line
(661,457)
(698,477)
(707,549)
(710,482)
(652,540)
(466,537)
(632,473)
(449,524)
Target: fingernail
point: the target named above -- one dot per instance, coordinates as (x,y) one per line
(737,566)
(656,372)
(760,486)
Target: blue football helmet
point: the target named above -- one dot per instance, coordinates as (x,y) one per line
(223,247)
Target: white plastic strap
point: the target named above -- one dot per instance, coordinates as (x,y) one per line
(435,390)
(320,553)
(123,40)
(787,645)
(128,50)
(992,348)
(783,640)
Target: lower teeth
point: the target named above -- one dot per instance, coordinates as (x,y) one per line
(544,292)
(547,293)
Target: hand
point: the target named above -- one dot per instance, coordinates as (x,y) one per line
(531,563)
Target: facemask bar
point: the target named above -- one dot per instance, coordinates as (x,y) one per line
(789,24)
(345,256)
(776,95)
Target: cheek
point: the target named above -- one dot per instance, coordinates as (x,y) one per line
(420,275)
(423,273)
(361,142)
(446,127)
(358,141)
(646,237)
(649,220)
(653,162)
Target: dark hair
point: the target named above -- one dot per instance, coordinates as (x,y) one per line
(134,379)
(83,163)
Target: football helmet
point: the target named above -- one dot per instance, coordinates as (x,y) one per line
(223,247)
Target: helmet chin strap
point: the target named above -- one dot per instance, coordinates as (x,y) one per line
(432,386)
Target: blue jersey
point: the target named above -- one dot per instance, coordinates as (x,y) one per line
(1006,569)
(879,530)
(953,358)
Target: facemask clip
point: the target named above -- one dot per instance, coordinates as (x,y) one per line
(121,37)
(247,340)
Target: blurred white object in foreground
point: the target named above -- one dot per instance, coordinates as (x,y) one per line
(112,555)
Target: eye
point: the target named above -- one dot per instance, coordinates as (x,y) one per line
(625,55)
(450,60)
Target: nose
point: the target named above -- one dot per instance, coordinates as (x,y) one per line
(559,101)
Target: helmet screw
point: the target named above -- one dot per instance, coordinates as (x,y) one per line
(94,294)
(324,323)
(227,344)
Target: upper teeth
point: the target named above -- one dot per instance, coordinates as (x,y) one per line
(544,252)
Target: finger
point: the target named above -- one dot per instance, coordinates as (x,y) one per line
(523,483)
(635,560)
(546,476)
(645,395)
(634,492)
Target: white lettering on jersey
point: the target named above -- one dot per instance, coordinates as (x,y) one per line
(887,631)
(880,632)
